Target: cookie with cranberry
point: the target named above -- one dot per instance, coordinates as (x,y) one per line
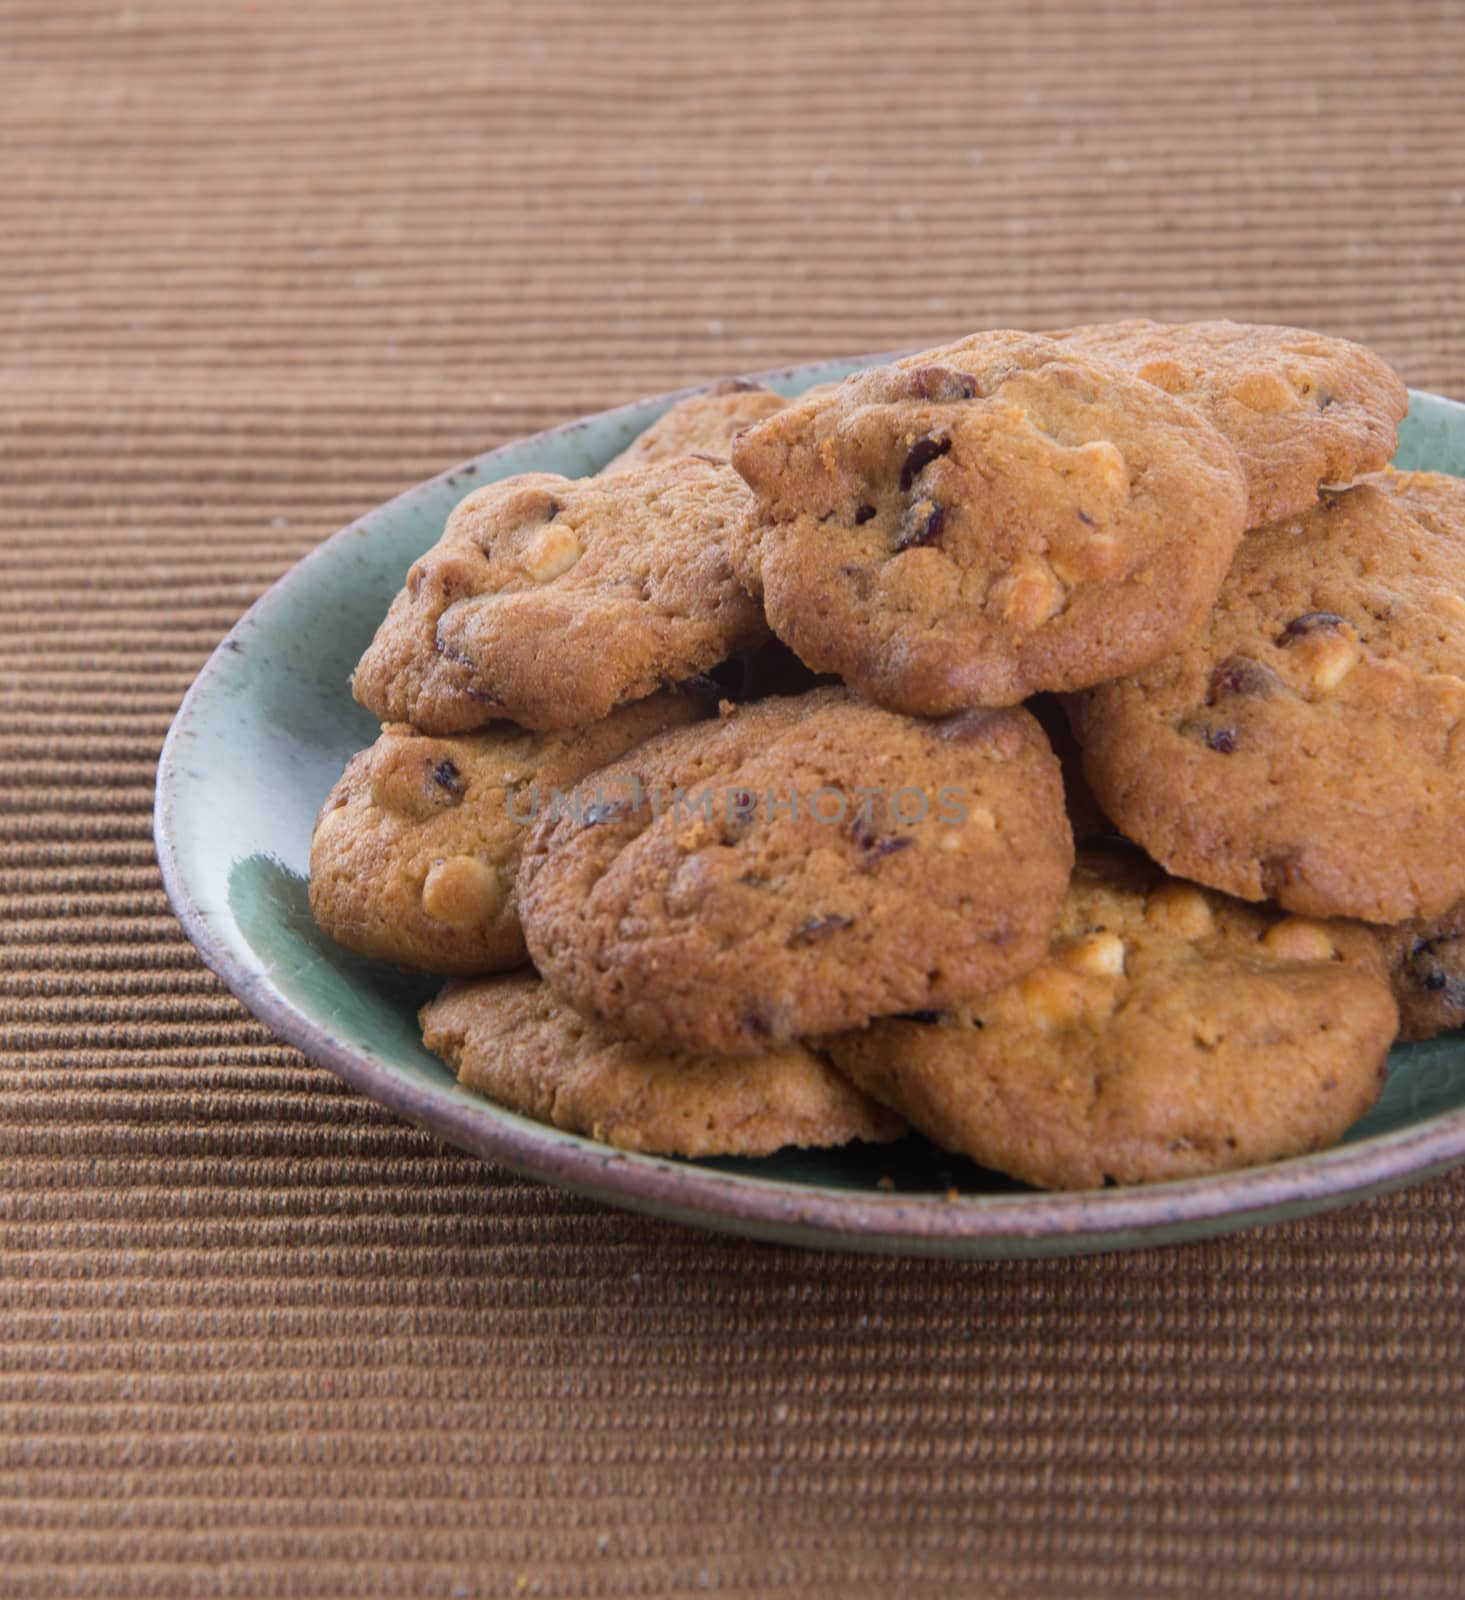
(416,849)
(548,601)
(1171,1032)
(1427,970)
(1302,409)
(702,424)
(985,520)
(1307,743)
(799,866)
(513,1040)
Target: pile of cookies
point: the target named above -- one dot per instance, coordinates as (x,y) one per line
(736,787)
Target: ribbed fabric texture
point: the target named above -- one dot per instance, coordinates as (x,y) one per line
(262,266)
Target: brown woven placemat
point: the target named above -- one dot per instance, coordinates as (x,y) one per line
(262,266)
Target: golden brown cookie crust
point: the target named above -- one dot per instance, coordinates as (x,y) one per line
(702,424)
(925,863)
(1172,1032)
(985,520)
(549,601)
(1302,409)
(1307,743)
(513,1040)
(416,850)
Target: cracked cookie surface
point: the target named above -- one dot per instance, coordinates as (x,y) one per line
(415,853)
(515,1041)
(829,862)
(1171,1032)
(1307,743)
(702,424)
(1302,409)
(549,600)
(984,520)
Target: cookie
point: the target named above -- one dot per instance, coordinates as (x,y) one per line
(1302,409)
(1307,743)
(986,520)
(702,424)
(549,601)
(1170,1033)
(513,1040)
(799,866)
(416,849)
(1426,961)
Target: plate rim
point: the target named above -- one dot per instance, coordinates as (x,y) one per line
(1021,1223)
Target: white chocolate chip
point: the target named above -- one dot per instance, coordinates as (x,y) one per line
(1299,939)
(554,550)
(1050,1002)
(1164,373)
(1098,557)
(1104,463)
(1100,955)
(1330,657)
(1177,908)
(1030,594)
(1056,997)
(1264,391)
(462,891)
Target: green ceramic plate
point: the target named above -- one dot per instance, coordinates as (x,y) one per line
(269,724)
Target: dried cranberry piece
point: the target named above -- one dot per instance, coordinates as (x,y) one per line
(920,456)
(741,806)
(876,846)
(939,383)
(1240,675)
(1309,622)
(446,776)
(817,928)
(921,527)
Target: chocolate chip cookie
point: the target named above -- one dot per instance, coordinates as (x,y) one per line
(985,520)
(1171,1032)
(1301,408)
(799,866)
(549,601)
(416,849)
(702,424)
(513,1040)
(1307,743)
